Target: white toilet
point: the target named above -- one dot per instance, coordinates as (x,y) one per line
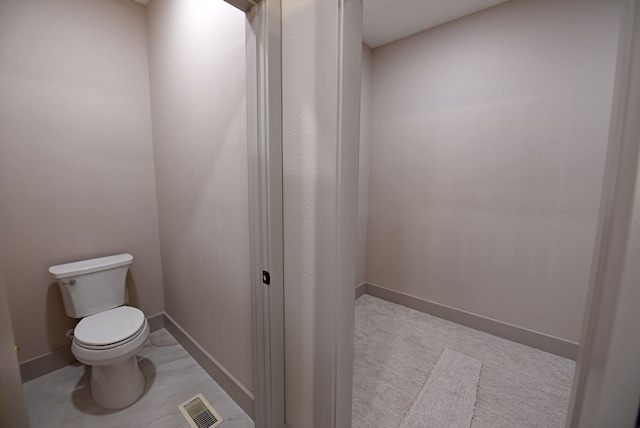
(109,334)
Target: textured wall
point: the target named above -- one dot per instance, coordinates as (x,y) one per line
(197,73)
(317,285)
(300,182)
(76,163)
(488,157)
(13,412)
(363,167)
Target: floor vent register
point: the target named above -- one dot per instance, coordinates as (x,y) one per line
(199,413)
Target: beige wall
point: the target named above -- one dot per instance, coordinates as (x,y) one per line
(13,412)
(197,71)
(363,163)
(606,386)
(300,182)
(314,282)
(487,160)
(76,165)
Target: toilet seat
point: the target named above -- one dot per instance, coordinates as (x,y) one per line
(109,329)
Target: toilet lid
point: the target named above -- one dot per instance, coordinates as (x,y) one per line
(108,327)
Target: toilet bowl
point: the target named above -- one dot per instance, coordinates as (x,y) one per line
(109,342)
(109,334)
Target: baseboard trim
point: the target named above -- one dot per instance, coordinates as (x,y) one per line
(360,290)
(156,322)
(47,363)
(226,380)
(60,358)
(553,345)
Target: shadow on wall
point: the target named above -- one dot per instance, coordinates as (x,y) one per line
(57,320)
(132,291)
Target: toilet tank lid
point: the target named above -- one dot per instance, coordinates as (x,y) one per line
(92,265)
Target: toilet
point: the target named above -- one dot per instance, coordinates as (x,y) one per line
(109,333)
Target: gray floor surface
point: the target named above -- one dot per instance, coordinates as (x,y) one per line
(448,397)
(62,398)
(396,348)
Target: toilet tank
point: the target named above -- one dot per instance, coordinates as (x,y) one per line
(92,286)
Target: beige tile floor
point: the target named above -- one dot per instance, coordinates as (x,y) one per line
(62,398)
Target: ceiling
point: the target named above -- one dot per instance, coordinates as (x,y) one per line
(385,21)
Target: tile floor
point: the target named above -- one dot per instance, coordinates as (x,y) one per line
(62,399)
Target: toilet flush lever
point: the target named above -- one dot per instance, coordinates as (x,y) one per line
(72,282)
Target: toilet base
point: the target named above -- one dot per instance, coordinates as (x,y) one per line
(117,385)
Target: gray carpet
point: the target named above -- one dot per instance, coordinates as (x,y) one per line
(396,349)
(448,397)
